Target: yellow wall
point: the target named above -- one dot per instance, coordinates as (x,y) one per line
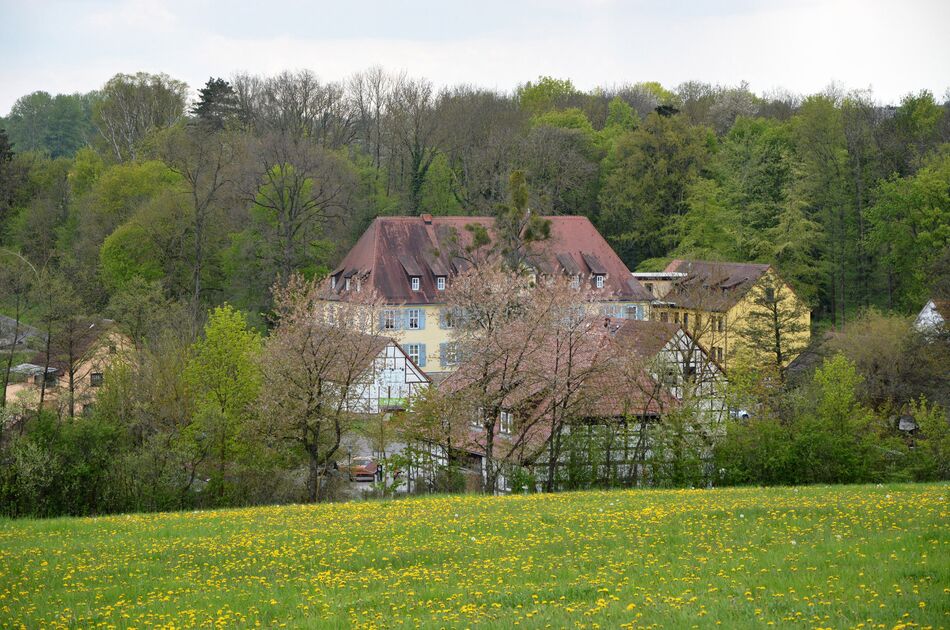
(433,336)
(733,320)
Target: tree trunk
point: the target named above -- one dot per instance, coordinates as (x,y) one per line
(16,335)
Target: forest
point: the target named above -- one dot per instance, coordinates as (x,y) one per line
(153,205)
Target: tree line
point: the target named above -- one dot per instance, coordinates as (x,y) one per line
(136,203)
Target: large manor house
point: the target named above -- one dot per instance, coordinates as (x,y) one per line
(410,261)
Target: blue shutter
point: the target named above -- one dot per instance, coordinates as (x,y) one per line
(422,319)
(422,355)
(442,354)
(382,321)
(402,319)
(441,318)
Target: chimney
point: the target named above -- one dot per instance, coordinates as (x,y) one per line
(427,219)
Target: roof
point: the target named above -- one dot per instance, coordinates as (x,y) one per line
(394,249)
(711,285)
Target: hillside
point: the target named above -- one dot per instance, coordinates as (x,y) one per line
(848,556)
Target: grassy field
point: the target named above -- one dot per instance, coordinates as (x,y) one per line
(853,556)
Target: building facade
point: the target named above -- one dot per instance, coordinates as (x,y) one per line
(410,262)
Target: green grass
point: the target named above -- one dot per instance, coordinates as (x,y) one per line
(849,556)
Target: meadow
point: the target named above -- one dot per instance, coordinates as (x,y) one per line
(812,557)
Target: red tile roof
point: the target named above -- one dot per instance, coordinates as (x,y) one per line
(393,249)
(710,285)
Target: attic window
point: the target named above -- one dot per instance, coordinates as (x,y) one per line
(95,379)
(769,294)
(332,282)
(346,284)
(599,281)
(440,283)
(575,281)
(415,282)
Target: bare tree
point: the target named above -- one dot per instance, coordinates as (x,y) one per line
(205,161)
(132,105)
(314,364)
(414,128)
(298,186)
(371,92)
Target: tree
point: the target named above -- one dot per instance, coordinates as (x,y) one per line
(216,106)
(223,374)
(315,363)
(774,331)
(206,163)
(517,226)
(295,187)
(546,94)
(15,284)
(499,337)
(910,228)
(414,129)
(130,106)
(646,187)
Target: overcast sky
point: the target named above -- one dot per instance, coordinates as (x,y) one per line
(892,46)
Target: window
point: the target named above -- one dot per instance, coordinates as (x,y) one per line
(649,287)
(717,353)
(447,318)
(448,354)
(112,348)
(415,283)
(414,319)
(389,319)
(506,422)
(413,351)
(332,282)
(599,281)
(346,284)
(633,312)
(769,294)
(719,325)
(664,317)
(613,311)
(440,283)
(478,418)
(685,320)
(95,379)
(676,318)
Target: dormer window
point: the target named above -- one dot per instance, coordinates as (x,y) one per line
(333,282)
(440,283)
(599,281)
(575,281)
(415,282)
(346,284)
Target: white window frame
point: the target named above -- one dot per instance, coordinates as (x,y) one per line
(632,308)
(418,319)
(599,281)
(415,282)
(413,350)
(506,422)
(346,284)
(389,319)
(440,283)
(575,281)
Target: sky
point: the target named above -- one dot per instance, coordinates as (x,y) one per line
(891,46)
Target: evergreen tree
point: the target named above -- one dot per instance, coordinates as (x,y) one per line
(217,104)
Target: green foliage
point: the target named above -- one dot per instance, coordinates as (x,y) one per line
(544,95)
(127,254)
(224,376)
(646,189)
(571,118)
(911,227)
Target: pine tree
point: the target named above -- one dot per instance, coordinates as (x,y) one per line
(217,104)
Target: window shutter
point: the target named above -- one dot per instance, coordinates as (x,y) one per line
(422,355)
(442,318)
(402,319)
(442,353)
(422,319)
(382,321)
